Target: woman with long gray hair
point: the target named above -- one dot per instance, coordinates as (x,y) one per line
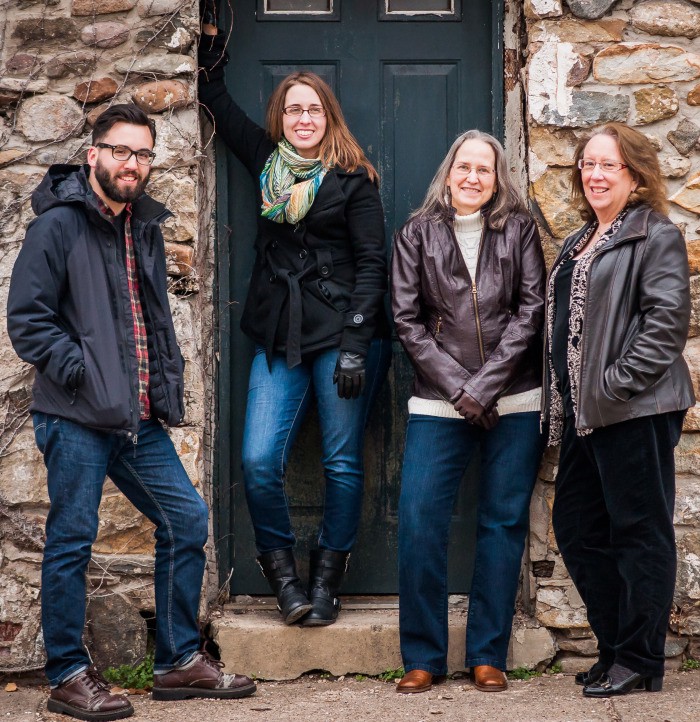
(468,297)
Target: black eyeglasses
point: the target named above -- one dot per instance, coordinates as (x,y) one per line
(123,153)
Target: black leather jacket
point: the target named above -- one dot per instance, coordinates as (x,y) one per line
(635,324)
(482,337)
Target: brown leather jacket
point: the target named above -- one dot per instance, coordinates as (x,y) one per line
(485,337)
(635,324)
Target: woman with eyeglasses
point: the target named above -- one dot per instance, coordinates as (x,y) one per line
(468,301)
(315,311)
(616,392)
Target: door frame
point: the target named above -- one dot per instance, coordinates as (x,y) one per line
(222,507)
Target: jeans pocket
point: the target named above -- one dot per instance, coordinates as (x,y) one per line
(40,422)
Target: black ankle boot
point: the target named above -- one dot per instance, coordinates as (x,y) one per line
(280,570)
(325,575)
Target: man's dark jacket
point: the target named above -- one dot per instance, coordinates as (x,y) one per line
(69,305)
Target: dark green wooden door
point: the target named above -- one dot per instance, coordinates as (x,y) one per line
(410,75)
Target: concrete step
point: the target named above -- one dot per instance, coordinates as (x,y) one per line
(364,640)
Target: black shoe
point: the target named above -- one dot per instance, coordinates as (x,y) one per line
(593,674)
(280,571)
(325,575)
(619,680)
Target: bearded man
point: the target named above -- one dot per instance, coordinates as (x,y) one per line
(88,308)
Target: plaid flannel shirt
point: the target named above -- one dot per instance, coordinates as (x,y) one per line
(140,336)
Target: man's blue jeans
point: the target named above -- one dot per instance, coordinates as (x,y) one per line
(152,477)
(278,400)
(438,451)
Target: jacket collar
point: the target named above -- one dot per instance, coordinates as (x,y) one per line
(634,226)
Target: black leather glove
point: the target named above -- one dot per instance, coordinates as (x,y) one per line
(349,374)
(474,412)
(207,12)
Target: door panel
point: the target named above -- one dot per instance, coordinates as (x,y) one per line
(408,84)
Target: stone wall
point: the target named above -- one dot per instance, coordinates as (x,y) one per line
(588,62)
(61,63)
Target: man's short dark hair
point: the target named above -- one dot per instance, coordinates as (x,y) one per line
(122,113)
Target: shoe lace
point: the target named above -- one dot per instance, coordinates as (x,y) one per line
(95,681)
(211,661)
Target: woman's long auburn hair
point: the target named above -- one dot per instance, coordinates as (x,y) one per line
(338,146)
(638,155)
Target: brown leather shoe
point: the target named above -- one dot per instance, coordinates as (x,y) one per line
(201,677)
(417,680)
(86,696)
(489,679)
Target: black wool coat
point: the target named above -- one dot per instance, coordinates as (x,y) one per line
(318,284)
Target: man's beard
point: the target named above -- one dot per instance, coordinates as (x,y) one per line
(113,191)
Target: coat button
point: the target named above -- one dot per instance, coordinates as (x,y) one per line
(273,244)
(324,270)
(303,253)
(273,278)
(358,318)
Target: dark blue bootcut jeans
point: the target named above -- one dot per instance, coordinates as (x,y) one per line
(438,451)
(153,479)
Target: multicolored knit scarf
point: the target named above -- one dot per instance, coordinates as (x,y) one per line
(283,198)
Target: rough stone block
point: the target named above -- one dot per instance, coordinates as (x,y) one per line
(687,504)
(666,17)
(553,146)
(176,142)
(675,645)
(100,7)
(44,30)
(157,65)
(49,117)
(174,37)
(558,605)
(694,96)
(536,9)
(548,191)
(645,63)
(590,9)
(573,664)
(95,91)
(587,647)
(122,529)
(116,631)
(22,63)
(161,95)
(685,137)
(178,193)
(81,64)
(674,166)
(569,30)
(655,103)
(687,593)
(109,34)
(688,196)
(151,8)
(530,647)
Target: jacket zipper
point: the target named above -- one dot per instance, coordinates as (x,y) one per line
(134,437)
(475,299)
(438,326)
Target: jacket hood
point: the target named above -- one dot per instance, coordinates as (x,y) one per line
(66,184)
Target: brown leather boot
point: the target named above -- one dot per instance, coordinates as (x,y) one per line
(417,680)
(201,677)
(86,696)
(489,679)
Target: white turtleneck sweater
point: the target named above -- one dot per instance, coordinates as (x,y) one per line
(468,232)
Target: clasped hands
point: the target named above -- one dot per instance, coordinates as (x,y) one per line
(474,412)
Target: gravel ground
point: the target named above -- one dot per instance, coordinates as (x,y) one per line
(315,699)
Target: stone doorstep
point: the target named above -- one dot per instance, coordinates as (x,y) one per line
(364,640)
